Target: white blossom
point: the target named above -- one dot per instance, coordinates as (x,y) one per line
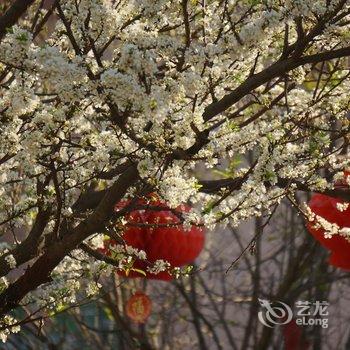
(11,261)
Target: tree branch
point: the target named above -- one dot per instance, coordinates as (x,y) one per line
(13,14)
(40,271)
(212,186)
(275,70)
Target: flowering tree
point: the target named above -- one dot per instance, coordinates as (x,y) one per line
(103,101)
(211,309)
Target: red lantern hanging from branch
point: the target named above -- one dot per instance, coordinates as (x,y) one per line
(139,307)
(173,244)
(159,232)
(335,211)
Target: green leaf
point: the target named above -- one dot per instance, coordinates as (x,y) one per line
(208,208)
(22,37)
(153,104)
(229,172)
(188,269)
(269,175)
(233,126)
(137,270)
(197,186)
(108,313)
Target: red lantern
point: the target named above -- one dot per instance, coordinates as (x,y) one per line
(327,208)
(344,181)
(341,259)
(173,244)
(293,337)
(165,240)
(139,307)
